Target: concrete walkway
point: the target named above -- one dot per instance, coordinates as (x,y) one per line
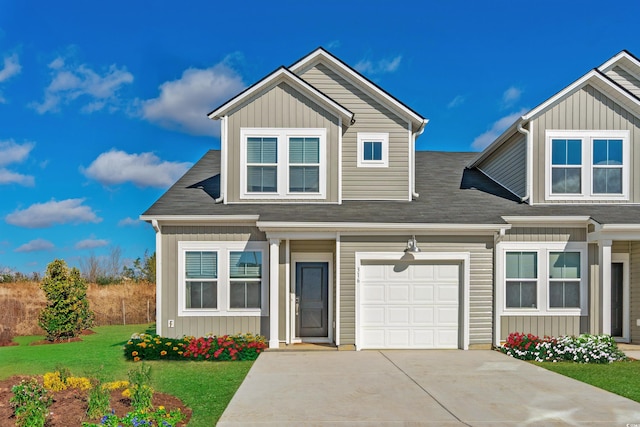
(426,388)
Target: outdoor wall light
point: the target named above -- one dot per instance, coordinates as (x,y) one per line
(412,245)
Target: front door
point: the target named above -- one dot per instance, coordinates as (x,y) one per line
(617,299)
(312,299)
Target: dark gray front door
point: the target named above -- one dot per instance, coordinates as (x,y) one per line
(616,299)
(312,297)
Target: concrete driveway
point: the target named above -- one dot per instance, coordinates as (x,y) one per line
(430,388)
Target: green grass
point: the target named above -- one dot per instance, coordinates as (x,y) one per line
(618,377)
(205,387)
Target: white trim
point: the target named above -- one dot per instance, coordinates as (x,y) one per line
(224,145)
(355,77)
(542,249)
(283,74)
(533,221)
(287,290)
(377,228)
(463,257)
(283,165)
(411,160)
(274,286)
(626,295)
(604,258)
(223,248)
(159,319)
(586,166)
(611,63)
(337,292)
(383,139)
(327,257)
(175,219)
(614,232)
(340,161)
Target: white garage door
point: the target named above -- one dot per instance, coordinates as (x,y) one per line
(408,305)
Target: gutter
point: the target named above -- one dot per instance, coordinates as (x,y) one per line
(415,136)
(529,164)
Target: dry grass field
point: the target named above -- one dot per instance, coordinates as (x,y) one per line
(126,303)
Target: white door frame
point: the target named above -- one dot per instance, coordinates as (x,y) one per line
(463,257)
(626,320)
(297,257)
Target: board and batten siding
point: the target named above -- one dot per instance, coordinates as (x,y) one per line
(585,109)
(201,325)
(480,287)
(281,106)
(508,165)
(625,79)
(545,234)
(390,183)
(553,326)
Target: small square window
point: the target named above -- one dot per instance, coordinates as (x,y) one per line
(373,149)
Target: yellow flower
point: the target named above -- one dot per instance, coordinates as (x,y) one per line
(161,408)
(175,348)
(126,393)
(163,353)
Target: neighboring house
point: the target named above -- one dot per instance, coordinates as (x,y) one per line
(301,226)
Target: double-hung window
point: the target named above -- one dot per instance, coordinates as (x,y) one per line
(222,278)
(588,165)
(281,163)
(373,149)
(542,278)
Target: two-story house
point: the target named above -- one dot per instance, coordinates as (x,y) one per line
(318,221)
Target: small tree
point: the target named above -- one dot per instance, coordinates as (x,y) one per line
(67,312)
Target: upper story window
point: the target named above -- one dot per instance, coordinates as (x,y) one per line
(373,149)
(283,163)
(587,165)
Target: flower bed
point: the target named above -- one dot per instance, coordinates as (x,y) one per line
(584,348)
(227,347)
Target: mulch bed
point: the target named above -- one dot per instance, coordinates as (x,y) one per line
(70,406)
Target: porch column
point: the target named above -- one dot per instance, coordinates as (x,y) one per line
(604,249)
(274,285)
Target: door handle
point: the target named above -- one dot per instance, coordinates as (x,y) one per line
(297,306)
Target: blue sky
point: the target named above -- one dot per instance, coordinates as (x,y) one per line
(103,105)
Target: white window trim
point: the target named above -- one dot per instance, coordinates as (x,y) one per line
(223,249)
(542,249)
(283,134)
(587,136)
(373,137)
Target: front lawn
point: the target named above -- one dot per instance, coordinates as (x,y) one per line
(618,377)
(205,387)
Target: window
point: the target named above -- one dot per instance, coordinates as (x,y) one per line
(222,279)
(373,149)
(587,165)
(542,278)
(521,279)
(283,163)
(564,279)
(245,272)
(201,273)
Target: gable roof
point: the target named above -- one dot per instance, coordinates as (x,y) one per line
(346,71)
(596,78)
(282,74)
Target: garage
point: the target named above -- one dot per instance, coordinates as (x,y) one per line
(409,304)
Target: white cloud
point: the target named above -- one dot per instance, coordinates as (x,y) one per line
(511,95)
(129,222)
(382,66)
(35,246)
(183,104)
(42,215)
(482,141)
(11,152)
(69,83)
(91,243)
(143,170)
(10,68)
(458,100)
(333,44)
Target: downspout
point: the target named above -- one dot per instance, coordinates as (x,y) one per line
(223,159)
(527,133)
(413,150)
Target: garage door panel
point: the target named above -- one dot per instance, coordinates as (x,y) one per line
(409,305)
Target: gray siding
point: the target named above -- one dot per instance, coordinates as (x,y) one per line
(634,291)
(508,165)
(481,280)
(391,183)
(548,234)
(281,107)
(202,325)
(586,109)
(625,79)
(553,326)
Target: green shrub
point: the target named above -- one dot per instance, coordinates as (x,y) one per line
(67,312)
(584,348)
(227,347)
(141,392)
(98,401)
(30,403)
